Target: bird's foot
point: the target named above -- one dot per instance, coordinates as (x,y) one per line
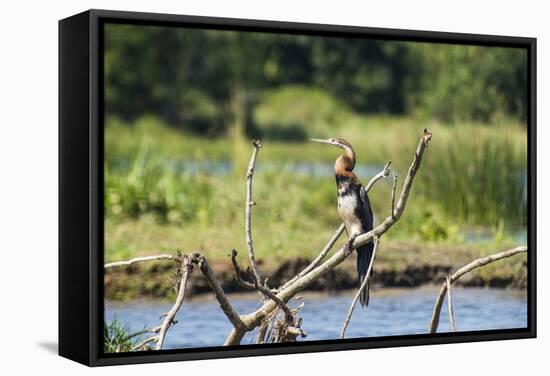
(348,246)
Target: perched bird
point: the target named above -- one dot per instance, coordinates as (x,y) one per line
(353,207)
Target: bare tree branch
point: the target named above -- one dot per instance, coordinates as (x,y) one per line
(244,323)
(262,331)
(226,307)
(319,257)
(254,319)
(186,269)
(450,304)
(156,329)
(340,230)
(138,260)
(464,270)
(256,286)
(234,337)
(142,344)
(248,209)
(196,258)
(382,174)
(360,291)
(393,194)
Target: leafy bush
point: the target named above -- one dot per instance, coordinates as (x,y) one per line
(465,83)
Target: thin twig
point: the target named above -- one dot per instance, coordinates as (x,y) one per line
(186,269)
(360,291)
(450,304)
(138,260)
(379,230)
(464,270)
(248,209)
(319,257)
(245,323)
(256,318)
(393,194)
(143,343)
(382,174)
(256,286)
(226,307)
(156,329)
(262,331)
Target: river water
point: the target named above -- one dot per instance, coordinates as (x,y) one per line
(390,312)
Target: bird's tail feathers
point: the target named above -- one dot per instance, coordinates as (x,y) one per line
(364,256)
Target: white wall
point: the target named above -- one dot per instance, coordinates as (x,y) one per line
(28,183)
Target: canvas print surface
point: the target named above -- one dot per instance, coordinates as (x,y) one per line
(268,187)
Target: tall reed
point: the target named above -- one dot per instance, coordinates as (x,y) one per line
(478,175)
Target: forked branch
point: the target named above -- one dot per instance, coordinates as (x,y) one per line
(255,285)
(464,270)
(254,319)
(216,288)
(317,268)
(382,174)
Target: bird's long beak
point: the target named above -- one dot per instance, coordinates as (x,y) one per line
(321,141)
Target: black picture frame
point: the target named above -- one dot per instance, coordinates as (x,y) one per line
(81,187)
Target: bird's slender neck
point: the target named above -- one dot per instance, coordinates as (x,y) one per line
(346,162)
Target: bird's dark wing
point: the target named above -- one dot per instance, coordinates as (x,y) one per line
(365,252)
(366,217)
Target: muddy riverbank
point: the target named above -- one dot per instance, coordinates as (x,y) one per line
(158,279)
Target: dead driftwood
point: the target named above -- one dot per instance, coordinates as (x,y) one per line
(450,303)
(459,273)
(138,260)
(255,319)
(186,267)
(271,326)
(276,320)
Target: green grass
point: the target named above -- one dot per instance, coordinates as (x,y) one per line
(479,173)
(470,178)
(275,241)
(116,338)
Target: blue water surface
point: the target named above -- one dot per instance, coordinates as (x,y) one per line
(390,312)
